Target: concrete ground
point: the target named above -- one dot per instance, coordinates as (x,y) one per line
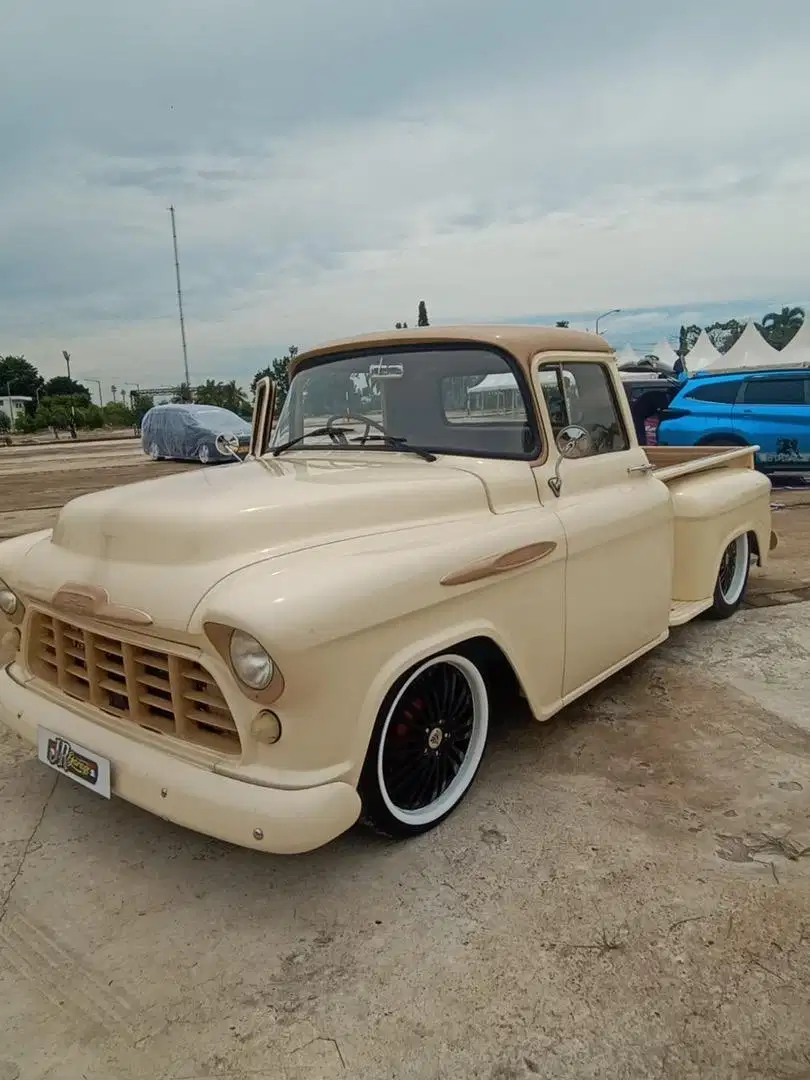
(624,894)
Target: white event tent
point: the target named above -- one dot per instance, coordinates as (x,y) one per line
(749,351)
(665,353)
(797,351)
(701,354)
(627,356)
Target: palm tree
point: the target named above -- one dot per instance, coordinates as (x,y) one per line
(778,327)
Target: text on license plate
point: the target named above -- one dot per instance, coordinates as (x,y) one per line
(82,765)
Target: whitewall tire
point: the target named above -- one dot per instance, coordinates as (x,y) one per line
(732,578)
(427,746)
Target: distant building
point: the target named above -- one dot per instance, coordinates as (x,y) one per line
(13,406)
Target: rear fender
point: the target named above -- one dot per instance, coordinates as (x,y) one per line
(712,509)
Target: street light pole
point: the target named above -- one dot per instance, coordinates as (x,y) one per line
(604,315)
(84,378)
(66,355)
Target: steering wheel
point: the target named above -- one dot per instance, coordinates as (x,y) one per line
(359,419)
(603,436)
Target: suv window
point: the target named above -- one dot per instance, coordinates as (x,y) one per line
(774,392)
(722,393)
(582,393)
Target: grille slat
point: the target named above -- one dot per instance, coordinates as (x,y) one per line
(158,691)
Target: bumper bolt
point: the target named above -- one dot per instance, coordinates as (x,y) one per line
(258,834)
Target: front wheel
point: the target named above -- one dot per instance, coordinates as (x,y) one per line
(732,578)
(427,745)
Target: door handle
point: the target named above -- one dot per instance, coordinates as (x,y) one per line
(641,469)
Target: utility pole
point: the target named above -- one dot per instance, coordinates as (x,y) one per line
(180,302)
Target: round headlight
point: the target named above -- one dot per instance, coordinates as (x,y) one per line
(8,601)
(250,661)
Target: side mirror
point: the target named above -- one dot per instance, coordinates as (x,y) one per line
(572,442)
(228,444)
(262,417)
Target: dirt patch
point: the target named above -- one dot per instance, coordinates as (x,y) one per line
(35,490)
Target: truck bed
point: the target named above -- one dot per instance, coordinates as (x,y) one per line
(672,462)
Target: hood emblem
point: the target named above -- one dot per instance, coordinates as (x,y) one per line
(93,602)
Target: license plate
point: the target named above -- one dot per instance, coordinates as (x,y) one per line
(82,765)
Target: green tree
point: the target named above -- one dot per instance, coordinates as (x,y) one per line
(725,334)
(779,327)
(279,372)
(62,386)
(5,423)
(26,425)
(423,315)
(183,395)
(225,395)
(90,417)
(18,376)
(721,334)
(562,323)
(117,415)
(140,405)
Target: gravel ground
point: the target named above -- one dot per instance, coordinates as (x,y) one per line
(625,894)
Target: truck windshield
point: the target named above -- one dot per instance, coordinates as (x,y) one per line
(445,399)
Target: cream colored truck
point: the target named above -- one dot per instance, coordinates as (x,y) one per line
(267,651)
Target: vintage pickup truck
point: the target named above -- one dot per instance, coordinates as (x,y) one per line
(268,651)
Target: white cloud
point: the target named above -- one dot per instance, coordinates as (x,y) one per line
(667,172)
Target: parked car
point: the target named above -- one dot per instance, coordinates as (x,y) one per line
(649,396)
(769,409)
(190,433)
(267,652)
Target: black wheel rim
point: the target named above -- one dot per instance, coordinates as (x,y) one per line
(428,737)
(728,566)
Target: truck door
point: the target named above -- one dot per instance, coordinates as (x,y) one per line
(774,413)
(617,519)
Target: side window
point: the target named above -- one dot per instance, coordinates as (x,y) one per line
(774,392)
(721,393)
(582,393)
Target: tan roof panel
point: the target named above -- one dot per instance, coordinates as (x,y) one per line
(523,342)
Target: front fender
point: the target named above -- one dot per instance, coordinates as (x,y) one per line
(344,621)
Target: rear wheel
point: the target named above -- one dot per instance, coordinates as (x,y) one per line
(427,745)
(732,578)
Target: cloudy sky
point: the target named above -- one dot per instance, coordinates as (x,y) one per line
(334,163)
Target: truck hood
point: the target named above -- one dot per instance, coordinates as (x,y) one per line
(262,508)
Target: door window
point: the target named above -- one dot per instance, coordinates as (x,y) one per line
(582,393)
(721,393)
(774,392)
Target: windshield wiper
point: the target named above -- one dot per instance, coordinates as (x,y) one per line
(330,431)
(397,442)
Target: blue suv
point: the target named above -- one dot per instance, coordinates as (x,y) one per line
(769,409)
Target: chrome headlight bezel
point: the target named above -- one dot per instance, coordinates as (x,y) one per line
(250,662)
(13,606)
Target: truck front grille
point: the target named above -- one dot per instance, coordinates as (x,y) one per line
(156,690)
